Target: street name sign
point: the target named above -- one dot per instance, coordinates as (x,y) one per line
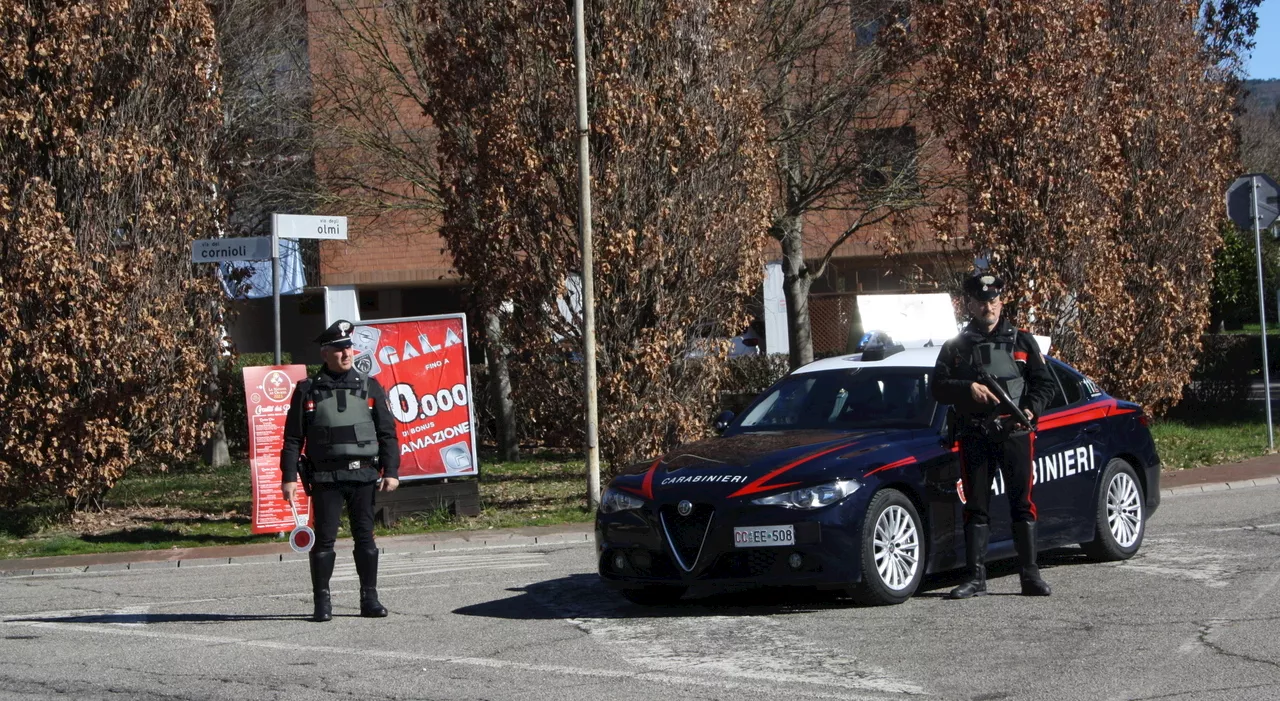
(222,250)
(304,226)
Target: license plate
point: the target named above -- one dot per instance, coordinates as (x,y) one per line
(764,536)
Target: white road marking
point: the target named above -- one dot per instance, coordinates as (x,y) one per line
(747,647)
(293,647)
(429,565)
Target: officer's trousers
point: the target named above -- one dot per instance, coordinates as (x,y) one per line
(326,501)
(980,458)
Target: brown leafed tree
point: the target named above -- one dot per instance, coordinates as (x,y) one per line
(681,197)
(108,113)
(833,75)
(1095,142)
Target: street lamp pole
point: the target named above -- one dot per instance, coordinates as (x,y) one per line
(588,286)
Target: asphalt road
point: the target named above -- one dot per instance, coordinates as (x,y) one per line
(1194,616)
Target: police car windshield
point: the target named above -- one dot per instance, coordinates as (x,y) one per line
(845,399)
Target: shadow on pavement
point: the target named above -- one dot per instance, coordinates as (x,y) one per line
(585,596)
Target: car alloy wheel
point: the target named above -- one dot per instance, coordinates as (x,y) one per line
(896,548)
(1120,514)
(892,552)
(1124,510)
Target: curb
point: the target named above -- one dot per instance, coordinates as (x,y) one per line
(1220,486)
(425,543)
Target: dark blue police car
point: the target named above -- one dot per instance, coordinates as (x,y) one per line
(842,476)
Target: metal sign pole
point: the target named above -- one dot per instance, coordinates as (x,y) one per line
(275,285)
(588,285)
(1262,315)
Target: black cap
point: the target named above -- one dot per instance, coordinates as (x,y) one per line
(338,335)
(983,287)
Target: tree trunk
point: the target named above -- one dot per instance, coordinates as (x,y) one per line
(795,287)
(500,387)
(215,452)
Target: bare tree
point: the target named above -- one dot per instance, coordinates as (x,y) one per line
(379,161)
(681,196)
(834,74)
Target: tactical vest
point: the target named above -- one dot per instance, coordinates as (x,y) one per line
(996,359)
(340,425)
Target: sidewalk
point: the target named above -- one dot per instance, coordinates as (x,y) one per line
(572,533)
(1255,472)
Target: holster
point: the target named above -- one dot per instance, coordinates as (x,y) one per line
(306,472)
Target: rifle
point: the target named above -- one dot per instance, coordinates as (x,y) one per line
(994,425)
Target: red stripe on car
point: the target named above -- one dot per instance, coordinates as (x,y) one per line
(761,484)
(910,459)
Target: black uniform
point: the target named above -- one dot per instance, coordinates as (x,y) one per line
(990,440)
(332,482)
(341,423)
(981,451)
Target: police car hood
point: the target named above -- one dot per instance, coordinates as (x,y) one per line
(761,461)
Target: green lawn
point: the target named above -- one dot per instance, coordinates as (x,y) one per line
(197,506)
(1184,444)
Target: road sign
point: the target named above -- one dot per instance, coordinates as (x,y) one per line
(220,250)
(301,226)
(1240,204)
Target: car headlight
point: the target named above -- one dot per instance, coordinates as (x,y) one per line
(615,500)
(811,497)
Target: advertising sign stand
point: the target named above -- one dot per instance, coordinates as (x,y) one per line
(424,365)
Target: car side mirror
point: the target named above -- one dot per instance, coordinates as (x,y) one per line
(722,421)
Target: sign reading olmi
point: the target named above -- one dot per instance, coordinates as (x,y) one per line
(303,226)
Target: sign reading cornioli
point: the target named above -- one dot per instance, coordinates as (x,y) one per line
(228,249)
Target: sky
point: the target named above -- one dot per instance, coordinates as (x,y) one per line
(1265,61)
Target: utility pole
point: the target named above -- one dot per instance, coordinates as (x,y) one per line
(588,285)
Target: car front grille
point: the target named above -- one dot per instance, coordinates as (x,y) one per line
(686,534)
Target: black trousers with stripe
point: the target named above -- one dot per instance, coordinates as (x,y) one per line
(327,499)
(981,458)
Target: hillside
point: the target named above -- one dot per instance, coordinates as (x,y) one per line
(1264,95)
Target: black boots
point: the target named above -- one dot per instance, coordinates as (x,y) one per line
(321,570)
(975,555)
(367,568)
(1024,539)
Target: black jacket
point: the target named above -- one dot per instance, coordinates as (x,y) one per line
(955,372)
(295,433)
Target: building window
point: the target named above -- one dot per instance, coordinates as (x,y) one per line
(889,159)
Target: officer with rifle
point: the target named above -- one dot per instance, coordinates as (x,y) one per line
(341,438)
(997,382)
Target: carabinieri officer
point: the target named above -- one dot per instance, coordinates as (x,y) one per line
(989,438)
(340,424)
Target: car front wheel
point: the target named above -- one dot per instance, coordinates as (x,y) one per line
(892,551)
(1120,514)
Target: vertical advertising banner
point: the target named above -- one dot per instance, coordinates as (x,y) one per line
(267,393)
(422,363)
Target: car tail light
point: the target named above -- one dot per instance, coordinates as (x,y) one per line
(1144,420)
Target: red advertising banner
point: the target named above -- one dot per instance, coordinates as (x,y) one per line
(267,392)
(422,363)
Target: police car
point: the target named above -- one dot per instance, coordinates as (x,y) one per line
(842,475)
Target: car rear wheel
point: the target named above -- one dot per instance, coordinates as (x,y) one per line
(659,595)
(892,551)
(1120,514)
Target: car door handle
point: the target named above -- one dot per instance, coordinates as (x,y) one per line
(1091,428)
